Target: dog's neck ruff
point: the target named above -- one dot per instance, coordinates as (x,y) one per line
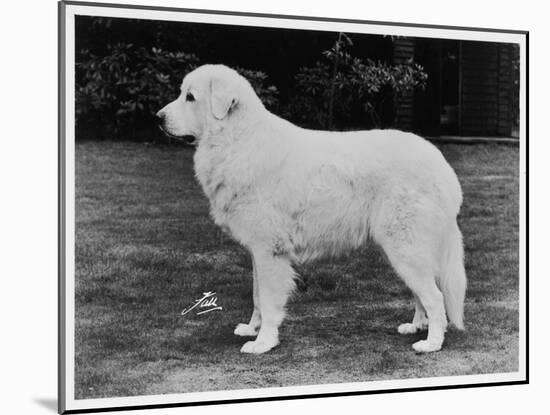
(221,165)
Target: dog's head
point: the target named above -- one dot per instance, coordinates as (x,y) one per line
(211,96)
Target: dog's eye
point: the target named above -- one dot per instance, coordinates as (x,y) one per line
(189,97)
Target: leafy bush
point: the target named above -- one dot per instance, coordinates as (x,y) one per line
(258,79)
(336,86)
(123,90)
(119,93)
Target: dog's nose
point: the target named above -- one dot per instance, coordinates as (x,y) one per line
(160,116)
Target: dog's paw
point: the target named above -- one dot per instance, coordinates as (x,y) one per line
(411,328)
(257,347)
(407,328)
(245,330)
(426,346)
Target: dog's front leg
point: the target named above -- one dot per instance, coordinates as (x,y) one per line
(252,328)
(275,282)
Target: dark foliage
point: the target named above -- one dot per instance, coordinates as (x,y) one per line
(118,94)
(340,86)
(128,69)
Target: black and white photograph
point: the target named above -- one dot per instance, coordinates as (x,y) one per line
(259,206)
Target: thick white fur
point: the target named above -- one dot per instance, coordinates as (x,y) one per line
(290,195)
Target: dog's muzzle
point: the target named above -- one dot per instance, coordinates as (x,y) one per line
(186,139)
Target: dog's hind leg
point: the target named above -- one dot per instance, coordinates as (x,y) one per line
(275,278)
(252,328)
(419,322)
(421,280)
(418,275)
(410,234)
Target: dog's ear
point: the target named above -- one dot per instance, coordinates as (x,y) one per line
(222,98)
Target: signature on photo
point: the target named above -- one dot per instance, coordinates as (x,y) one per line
(203,305)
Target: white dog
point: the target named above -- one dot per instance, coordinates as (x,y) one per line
(289,195)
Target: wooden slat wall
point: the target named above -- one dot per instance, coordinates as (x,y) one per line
(485,89)
(403,51)
(505,98)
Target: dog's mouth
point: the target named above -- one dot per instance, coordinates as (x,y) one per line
(185,139)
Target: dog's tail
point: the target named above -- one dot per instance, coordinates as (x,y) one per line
(453,278)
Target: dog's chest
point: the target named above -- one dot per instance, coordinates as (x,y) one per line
(222,179)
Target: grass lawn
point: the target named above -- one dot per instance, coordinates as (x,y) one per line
(146,249)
